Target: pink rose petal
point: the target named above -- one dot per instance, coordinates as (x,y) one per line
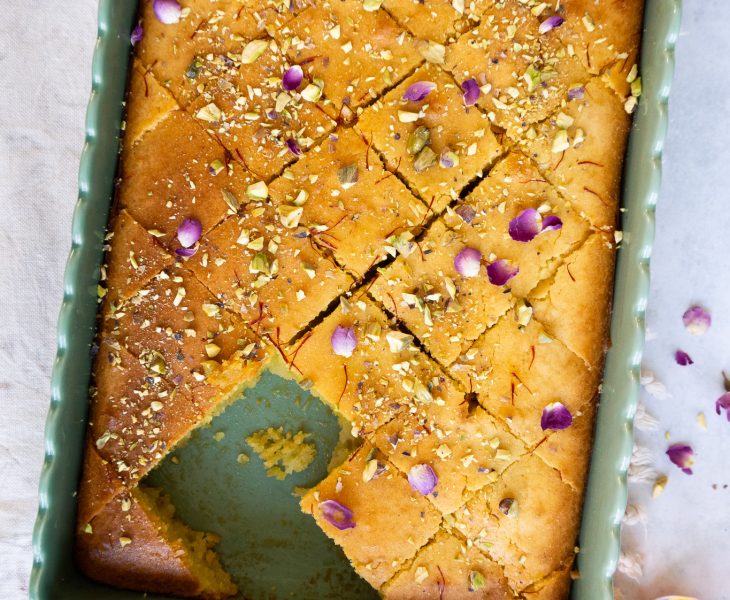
(555,416)
(292,78)
(336,514)
(294,147)
(189,232)
(343,341)
(576,93)
(186,252)
(696,320)
(471,92)
(422,479)
(525,226)
(529,223)
(468,262)
(137,34)
(723,403)
(681,455)
(501,271)
(551,23)
(419,90)
(552,223)
(167,11)
(683,358)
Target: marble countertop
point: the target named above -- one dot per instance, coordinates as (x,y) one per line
(676,543)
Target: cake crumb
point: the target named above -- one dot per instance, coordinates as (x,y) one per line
(282,453)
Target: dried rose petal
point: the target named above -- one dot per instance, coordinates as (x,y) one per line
(681,455)
(683,358)
(552,222)
(696,320)
(501,271)
(551,23)
(343,341)
(471,92)
(723,403)
(419,90)
(137,34)
(576,93)
(189,232)
(336,514)
(294,147)
(167,11)
(468,262)
(525,226)
(555,417)
(292,78)
(466,212)
(422,479)
(529,223)
(186,252)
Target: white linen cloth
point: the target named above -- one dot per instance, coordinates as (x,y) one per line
(45,58)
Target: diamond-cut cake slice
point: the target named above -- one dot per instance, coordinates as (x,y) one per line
(512,369)
(261,268)
(450,569)
(524,74)
(580,151)
(504,207)
(383,374)
(242,101)
(441,21)
(355,53)
(163,187)
(445,309)
(377,519)
(175,52)
(133,258)
(436,143)
(508,519)
(340,197)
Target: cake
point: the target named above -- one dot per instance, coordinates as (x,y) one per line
(411,208)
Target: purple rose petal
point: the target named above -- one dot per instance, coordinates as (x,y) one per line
(167,11)
(466,212)
(468,262)
(137,34)
(336,514)
(186,252)
(551,23)
(723,403)
(292,78)
(529,223)
(189,232)
(422,479)
(681,455)
(294,147)
(683,358)
(419,90)
(501,271)
(696,320)
(552,222)
(525,226)
(471,92)
(576,93)
(343,341)
(555,417)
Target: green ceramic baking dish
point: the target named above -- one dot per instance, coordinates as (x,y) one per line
(269,537)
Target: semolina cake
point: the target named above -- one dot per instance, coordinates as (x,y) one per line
(409,207)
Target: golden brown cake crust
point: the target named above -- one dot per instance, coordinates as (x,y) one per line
(368,169)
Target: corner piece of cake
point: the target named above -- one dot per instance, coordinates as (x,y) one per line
(409,207)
